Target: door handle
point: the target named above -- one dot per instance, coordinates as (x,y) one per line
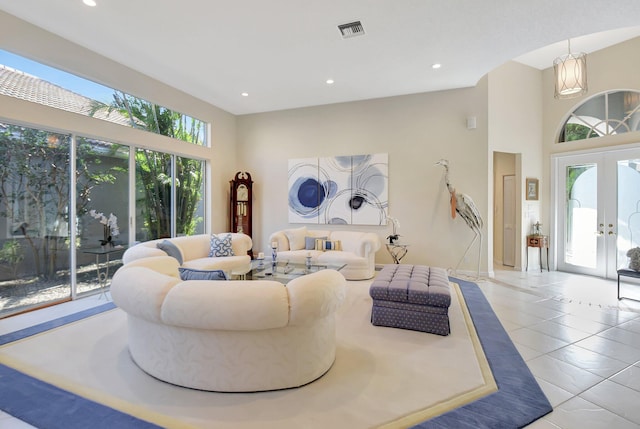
(599,232)
(612,233)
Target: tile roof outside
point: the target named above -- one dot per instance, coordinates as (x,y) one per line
(26,87)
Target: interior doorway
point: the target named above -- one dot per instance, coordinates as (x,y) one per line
(505,246)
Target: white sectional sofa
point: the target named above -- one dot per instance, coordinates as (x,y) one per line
(228,336)
(358,249)
(194,251)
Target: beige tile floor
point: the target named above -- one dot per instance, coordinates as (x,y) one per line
(580,342)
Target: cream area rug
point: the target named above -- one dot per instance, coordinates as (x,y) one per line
(382,377)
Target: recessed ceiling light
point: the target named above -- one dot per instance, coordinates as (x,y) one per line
(330,81)
(436,66)
(245,94)
(91,3)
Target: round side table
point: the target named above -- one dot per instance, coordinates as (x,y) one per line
(397,251)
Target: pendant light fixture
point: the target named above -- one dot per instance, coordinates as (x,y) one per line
(570,73)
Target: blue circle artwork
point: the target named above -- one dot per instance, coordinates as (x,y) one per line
(309,194)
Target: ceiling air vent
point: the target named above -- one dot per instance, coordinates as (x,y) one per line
(351,29)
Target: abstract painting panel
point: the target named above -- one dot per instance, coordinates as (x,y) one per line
(370,189)
(349,190)
(338,172)
(305,191)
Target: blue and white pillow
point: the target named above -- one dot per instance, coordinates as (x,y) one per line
(191,274)
(221,246)
(325,245)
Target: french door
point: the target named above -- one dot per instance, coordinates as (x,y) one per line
(598,203)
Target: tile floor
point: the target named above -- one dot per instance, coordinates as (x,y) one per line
(580,342)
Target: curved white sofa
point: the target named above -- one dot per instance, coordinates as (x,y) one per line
(194,250)
(358,250)
(228,336)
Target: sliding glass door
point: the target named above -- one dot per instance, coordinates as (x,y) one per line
(35,184)
(598,203)
(102,207)
(67,207)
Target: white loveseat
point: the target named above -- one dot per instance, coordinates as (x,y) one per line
(358,249)
(228,336)
(194,251)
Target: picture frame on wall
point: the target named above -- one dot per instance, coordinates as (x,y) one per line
(339,190)
(532,189)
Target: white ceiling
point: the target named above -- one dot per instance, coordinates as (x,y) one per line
(281,52)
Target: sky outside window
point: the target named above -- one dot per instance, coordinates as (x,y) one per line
(65,80)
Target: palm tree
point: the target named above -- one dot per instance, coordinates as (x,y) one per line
(153,169)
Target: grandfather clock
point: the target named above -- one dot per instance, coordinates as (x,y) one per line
(241,197)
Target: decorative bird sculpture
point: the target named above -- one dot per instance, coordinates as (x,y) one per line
(463,205)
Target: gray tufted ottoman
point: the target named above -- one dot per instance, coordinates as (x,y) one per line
(413,297)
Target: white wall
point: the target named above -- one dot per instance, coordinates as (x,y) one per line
(515,126)
(32,42)
(415,130)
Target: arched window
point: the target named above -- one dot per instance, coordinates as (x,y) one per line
(614,112)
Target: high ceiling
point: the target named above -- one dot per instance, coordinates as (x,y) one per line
(281,52)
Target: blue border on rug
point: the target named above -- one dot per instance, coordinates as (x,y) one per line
(56,323)
(46,406)
(519,400)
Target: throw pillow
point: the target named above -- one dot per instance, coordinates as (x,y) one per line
(170,249)
(191,274)
(296,237)
(328,244)
(221,246)
(310,242)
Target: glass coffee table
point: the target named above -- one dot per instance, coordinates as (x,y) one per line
(284,271)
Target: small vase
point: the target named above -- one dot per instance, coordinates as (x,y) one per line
(274,258)
(308,263)
(106,236)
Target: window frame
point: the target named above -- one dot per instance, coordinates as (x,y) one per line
(600,127)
